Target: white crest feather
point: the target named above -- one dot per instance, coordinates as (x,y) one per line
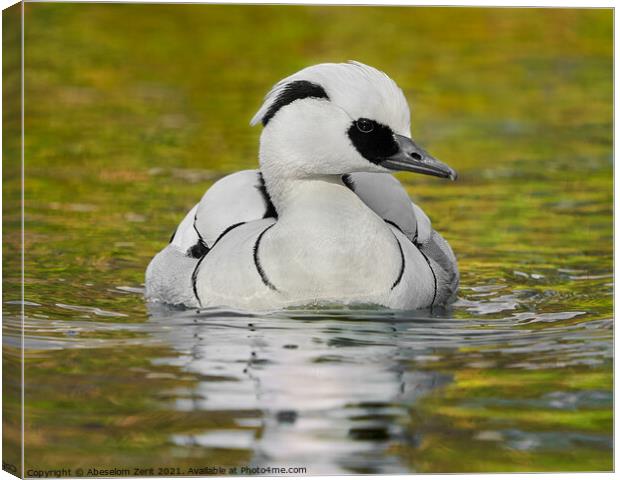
(360,90)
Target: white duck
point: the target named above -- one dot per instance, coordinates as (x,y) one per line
(323,221)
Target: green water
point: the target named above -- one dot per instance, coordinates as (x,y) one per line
(132,111)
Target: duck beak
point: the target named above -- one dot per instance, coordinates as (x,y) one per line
(413,158)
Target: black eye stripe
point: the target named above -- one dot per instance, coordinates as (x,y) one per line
(374,145)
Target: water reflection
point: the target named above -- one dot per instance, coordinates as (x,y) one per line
(324,391)
(333,390)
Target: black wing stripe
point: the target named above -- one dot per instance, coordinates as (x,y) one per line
(226,231)
(195,277)
(348,182)
(198,250)
(270,209)
(402,263)
(259,267)
(173,234)
(434,277)
(196,228)
(195,272)
(394,225)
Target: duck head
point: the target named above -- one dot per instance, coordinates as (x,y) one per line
(339,118)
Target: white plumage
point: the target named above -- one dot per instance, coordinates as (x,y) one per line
(360,90)
(322,221)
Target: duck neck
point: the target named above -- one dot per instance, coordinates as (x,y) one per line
(292,186)
(293,196)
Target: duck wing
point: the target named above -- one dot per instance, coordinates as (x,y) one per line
(232,200)
(443,263)
(385,195)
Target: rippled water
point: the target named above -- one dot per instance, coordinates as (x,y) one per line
(334,391)
(515,376)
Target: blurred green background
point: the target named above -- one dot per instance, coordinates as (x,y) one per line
(131,111)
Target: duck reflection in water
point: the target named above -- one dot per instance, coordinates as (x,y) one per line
(328,393)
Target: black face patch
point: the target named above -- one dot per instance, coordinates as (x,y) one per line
(296,90)
(374,141)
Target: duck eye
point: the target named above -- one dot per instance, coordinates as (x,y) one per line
(364,125)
